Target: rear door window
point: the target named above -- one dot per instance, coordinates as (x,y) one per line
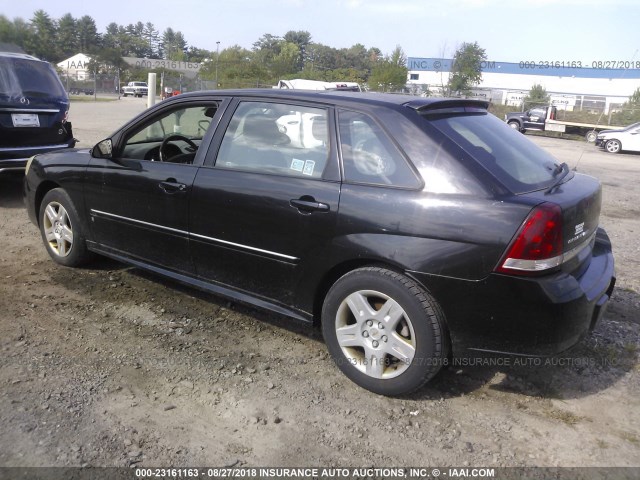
(276,138)
(369,156)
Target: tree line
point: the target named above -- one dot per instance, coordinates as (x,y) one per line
(272,57)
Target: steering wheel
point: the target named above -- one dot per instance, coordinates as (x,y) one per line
(174,136)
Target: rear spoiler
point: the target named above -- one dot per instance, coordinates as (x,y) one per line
(423,105)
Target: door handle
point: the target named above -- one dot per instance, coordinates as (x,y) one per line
(309,205)
(172,187)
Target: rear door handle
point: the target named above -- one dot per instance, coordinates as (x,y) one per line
(309,205)
(171,187)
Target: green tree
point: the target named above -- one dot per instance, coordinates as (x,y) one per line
(198,55)
(466,71)
(285,62)
(107,60)
(88,37)
(67,37)
(174,45)
(237,68)
(301,39)
(152,37)
(630,111)
(389,73)
(537,96)
(42,42)
(13,34)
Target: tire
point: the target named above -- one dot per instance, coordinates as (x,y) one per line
(613,146)
(360,310)
(591,136)
(61,229)
(124,95)
(515,125)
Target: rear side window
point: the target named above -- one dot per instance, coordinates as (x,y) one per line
(30,78)
(369,156)
(515,161)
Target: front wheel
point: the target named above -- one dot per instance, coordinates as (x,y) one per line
(384,331)
(613,146)
(61,229)
(515,126)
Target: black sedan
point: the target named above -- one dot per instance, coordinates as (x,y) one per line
(411,229)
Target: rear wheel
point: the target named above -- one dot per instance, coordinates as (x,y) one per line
(61,229)
(613,146)
(591,136)
(384,331)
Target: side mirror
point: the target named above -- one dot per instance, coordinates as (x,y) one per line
(103,149)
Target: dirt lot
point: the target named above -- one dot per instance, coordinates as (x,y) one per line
(110,366)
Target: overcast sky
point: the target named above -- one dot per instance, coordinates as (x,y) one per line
(509,30)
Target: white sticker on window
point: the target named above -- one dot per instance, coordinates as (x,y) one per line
(297,165)
(309,165)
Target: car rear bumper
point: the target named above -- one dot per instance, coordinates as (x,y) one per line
(15,159)
(530,316)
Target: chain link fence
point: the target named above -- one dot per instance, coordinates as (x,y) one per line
(167,84)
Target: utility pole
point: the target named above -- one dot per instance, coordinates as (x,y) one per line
(217,61)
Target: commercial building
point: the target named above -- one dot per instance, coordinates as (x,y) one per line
(573,85)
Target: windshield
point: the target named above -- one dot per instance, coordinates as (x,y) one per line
(21,77)
(514,160)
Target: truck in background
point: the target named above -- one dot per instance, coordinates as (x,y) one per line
(545,119)
(302,84)
(137,89)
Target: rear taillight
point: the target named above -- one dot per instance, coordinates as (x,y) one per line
(538,244)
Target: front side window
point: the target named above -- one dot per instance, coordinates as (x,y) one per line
(173,137)
(276,138)
(537,113)
(369,156)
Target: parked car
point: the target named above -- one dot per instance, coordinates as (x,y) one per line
(411,229)
(614,141)
(33,110)
(80,91)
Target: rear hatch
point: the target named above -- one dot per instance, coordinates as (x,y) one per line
(560,230)
(33,104)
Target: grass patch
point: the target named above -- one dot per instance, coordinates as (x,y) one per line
(629,437)
(565,417)
(89,98)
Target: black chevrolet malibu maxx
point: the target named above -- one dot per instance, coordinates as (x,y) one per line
(411,229)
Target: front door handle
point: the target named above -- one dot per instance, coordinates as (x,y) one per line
(171,187)
(308,204)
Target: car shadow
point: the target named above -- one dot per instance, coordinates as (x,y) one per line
(596,363)
(11,190)
(295,326)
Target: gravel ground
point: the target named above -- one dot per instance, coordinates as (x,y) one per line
(111,366)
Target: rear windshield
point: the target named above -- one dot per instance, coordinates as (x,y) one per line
(28,78)
(515,161)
